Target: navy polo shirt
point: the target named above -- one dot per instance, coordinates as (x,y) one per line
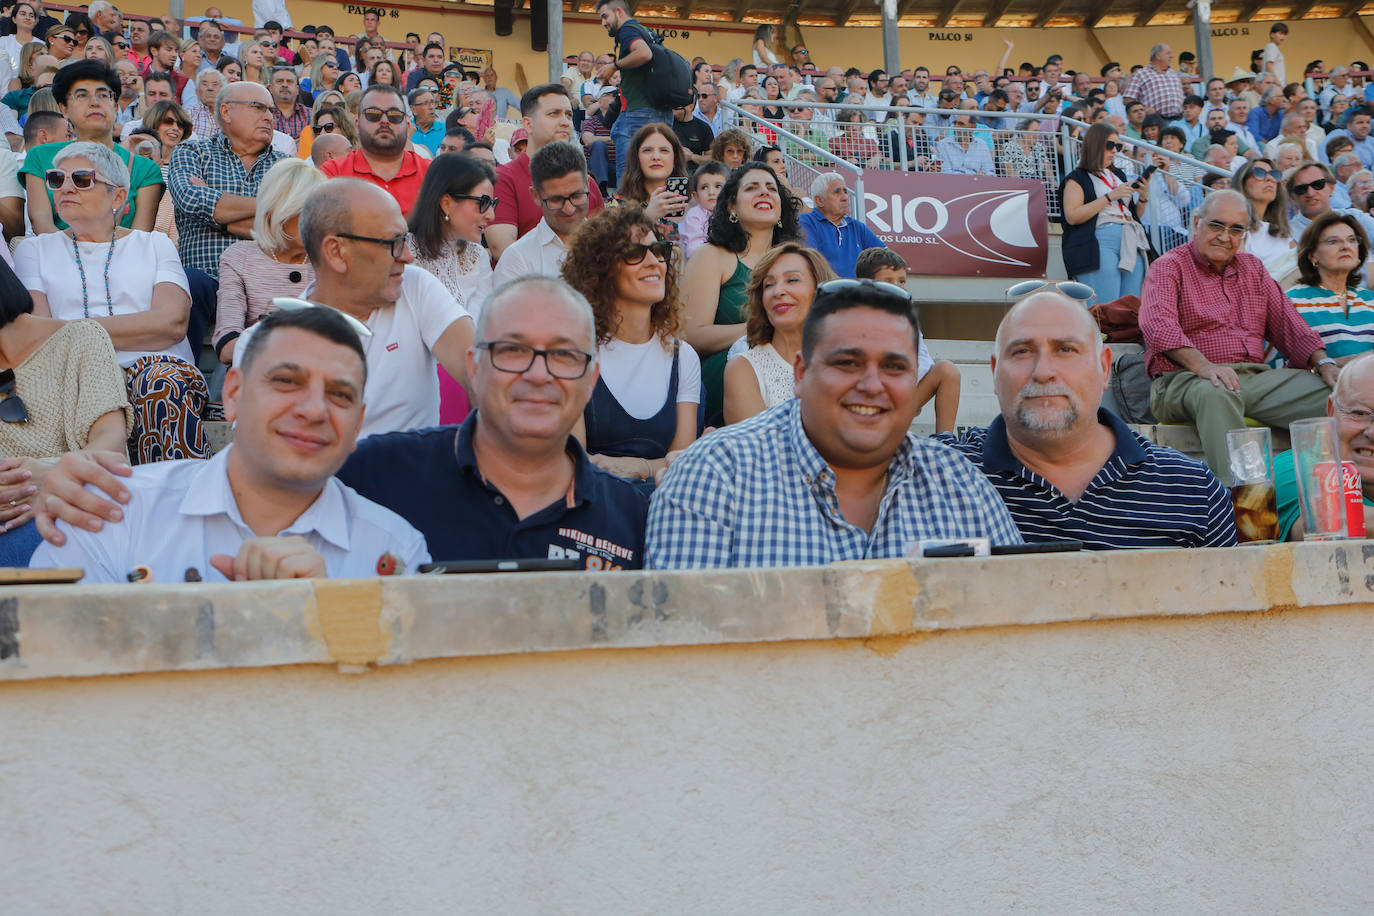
(840,245)
(430,478)
(1146,495)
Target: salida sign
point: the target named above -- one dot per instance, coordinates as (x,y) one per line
(960,225)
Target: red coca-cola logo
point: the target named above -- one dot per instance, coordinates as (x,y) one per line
(1341,478)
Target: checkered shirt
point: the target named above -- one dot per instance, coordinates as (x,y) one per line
(200,240)
(1226,316)
(203,121)
(293,125)
(759,494)
(1161,90)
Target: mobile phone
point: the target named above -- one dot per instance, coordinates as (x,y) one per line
(559,564)
(1145,175)
(1001,550)
(678,186)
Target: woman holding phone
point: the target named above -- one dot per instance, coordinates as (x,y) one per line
(1104,242)
(656,178)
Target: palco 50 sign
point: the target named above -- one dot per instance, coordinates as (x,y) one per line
(960,225)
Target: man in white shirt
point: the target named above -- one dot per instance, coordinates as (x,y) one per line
(558,178)
(267,507)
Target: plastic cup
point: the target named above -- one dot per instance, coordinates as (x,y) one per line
(1253,499)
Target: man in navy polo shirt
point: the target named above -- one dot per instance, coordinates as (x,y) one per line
(1069,470)
(511,482)
(831,230)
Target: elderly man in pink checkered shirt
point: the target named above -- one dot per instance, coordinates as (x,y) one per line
(1206,311)
(1157,87)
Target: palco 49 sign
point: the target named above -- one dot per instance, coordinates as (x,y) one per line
(960,225)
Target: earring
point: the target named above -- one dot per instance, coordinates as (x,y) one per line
(445,217)
(734,217)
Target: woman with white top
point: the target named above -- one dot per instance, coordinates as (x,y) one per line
(779,294)
(763,51)
(132,283)
(645,403)
(1269,238)
(25,19)
(1104,243)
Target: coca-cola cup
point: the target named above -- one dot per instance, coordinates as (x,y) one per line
(1249,453)
(1321,477)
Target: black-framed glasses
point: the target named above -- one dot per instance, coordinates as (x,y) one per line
(82,179)
(634,254)
(846,285)
(485,202)
(327,126)
(1301,189)
(559,201)
(258,108)
(1114,147)
(122,45)
(12,408)
(397,245)
(375,115)
(67,38)
(562,362)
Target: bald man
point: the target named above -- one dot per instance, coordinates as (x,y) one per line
(1352,404)
(1069,469)
(327,147)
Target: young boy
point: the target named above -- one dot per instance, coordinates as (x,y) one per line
(704,188)
(938,380)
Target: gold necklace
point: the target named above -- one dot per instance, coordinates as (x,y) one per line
(273,256)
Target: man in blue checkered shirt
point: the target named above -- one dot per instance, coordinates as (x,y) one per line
(832,474)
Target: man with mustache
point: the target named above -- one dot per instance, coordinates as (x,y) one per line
(383,160)
(1070,470)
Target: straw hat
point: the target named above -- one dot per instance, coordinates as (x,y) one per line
(1240,76)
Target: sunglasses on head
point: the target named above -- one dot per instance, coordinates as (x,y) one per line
(1081,292)
(375,115)
(634,254)
(844,285)
(1301,189)
(12,408)
(485,202)
(82,179)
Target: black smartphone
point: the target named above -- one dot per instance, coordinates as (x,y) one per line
(560,564)
(1002,550)
(1145,175)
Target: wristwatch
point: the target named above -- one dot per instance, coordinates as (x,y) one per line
(1324,361)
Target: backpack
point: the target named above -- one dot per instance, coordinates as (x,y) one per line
(670,76)
(1128,393)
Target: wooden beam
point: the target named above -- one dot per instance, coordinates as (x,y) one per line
(1362,30)
(1352,8)
(995,11)
(947,11)
(1250,8)
(741,8)
(1096,12)
(1152,8)
(1302,9)
(1047,13)
(850,9)
(1102,57)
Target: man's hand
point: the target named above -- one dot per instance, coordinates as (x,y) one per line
(1329,374)
(289,557)
(603,72)
(63,493)
(1219,376)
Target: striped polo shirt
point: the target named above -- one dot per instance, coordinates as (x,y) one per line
(1144,496)
(1342,334)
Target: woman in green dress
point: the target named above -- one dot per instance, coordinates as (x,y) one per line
(750,217)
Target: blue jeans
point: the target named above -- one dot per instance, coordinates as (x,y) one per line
(627,125)
(599,162)
(1109,281)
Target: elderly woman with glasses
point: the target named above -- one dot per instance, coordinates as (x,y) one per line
(273,263)
(132,283)
(328,116)
(1330,297)
(645,403)
(1104,243)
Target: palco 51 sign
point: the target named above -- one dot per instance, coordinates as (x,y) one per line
(960,225)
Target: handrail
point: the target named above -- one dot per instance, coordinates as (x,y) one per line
(1159,151)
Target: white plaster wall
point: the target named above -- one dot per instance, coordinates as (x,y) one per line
(1214,764)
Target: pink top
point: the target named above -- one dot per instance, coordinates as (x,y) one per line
(692,232)
(248,282)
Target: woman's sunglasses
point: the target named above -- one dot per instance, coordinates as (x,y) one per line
(1114,147)
(82,179)
(1264,174)
(634,254)
(12,408)
(485,202)
(327,127)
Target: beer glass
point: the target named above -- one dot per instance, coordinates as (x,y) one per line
(1249,453)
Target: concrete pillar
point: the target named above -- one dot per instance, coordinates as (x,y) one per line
(1202,36)
(555,40)
(892,58)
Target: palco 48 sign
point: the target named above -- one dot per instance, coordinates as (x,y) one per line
(960,225)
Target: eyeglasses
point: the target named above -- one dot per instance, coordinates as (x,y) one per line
(1114,147)
(1080,292)
(1340,242)
(67,38)
(1301,189)
(259,108)
(268,44)
(82,179)
(12,409)
(375,115)
(562,362)
(1217,227)
(122,45)
(170,121)
(327,127)
(559,201)
(397,245)
(634,254)
(485,202)
(1262,174)
(870,286)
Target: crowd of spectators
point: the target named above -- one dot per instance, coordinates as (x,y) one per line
(448,321)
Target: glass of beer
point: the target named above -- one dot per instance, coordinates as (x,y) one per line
(1249,453)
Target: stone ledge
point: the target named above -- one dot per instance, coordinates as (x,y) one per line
(76,631)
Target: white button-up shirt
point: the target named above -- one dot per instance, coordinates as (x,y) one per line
(539,251)
(181,513)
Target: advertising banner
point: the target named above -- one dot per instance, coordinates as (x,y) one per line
(960,225)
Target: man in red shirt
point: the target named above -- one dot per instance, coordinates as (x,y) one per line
(1205,312)
(383,160)
(547,116)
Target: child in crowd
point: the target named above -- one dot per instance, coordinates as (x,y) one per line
(703,188)
(938,380)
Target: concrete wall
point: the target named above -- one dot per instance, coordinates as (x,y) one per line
(1178,732)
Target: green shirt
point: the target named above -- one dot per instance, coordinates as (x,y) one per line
(1286,493)
(634,82)
(143,173)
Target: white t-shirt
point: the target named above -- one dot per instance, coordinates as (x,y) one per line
(402,389)
(638,374)
(1274,55)
(539,251)
(46,264)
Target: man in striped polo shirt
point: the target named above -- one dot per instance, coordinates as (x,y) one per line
(1068,469)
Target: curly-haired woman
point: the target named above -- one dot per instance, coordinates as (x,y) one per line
(645,402)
